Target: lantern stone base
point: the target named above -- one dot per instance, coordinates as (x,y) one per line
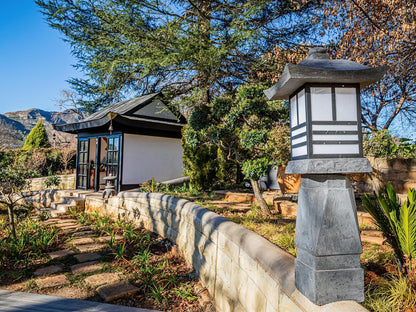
(325,286)
(327,267)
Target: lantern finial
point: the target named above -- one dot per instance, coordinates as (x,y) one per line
(318,53)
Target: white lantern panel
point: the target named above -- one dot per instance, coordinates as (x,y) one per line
(302,107)
(299,131)
(299,151)
(334,128)
(299,140)
(293,112)
(335,137)
(329,149)
(321,104)
(346,104)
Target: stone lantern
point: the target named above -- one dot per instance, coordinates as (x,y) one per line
(326,144)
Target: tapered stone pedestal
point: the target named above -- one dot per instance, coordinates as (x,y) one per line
(327,267)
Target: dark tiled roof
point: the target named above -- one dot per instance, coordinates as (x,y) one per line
(121,107)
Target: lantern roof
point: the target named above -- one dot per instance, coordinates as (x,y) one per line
(319,68)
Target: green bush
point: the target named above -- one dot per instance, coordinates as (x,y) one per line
(46,161)
(206,166)
(396,221)
(382,144)
(37,137)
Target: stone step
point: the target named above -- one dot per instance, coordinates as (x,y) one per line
(117,290)
(372,239)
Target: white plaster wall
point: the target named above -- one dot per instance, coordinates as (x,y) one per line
(147,157)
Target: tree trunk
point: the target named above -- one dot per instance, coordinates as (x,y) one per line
(263,205)
(11,220)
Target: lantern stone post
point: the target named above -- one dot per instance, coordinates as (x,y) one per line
(326,144)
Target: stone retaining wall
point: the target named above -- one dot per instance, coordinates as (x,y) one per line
(400,172)
(240,269)
(67,183)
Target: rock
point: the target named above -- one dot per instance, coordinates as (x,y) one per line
(372,239)
(116,290)
(48,270)
(83,233)
(101,279)
(105,239)
(90,247)
(71,292)
(82,241)
(60,253)
(90,256)
(86,267)
(52,281)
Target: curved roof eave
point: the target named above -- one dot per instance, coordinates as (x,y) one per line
(294,76)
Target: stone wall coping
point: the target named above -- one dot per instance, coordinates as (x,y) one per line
(277,263)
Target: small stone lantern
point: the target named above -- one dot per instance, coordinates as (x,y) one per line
(326,144)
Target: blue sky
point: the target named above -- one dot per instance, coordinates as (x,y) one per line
(35,61)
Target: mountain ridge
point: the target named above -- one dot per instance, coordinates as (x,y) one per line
(16,125)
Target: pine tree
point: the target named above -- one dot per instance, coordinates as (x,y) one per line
(37,137)
(190,50)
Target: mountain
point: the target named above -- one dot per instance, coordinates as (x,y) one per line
(14,126)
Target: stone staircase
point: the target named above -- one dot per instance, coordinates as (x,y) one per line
(63,202)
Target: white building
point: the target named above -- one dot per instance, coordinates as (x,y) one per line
(135,140)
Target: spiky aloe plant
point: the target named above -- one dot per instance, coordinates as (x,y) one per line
(405,223)
(380,208)
(397,222)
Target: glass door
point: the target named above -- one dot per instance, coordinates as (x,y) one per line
(113,151)
(83,164)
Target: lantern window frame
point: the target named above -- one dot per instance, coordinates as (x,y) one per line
(308,124)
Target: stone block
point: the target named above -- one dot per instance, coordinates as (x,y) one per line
(52,281)
(268,287)
(60,253)
(239,280)
(286,304)
(102,279)
(224,268)
(247,264)
(326,286)
(255,299)
(117,290)
(91,247)
(89,256)
(52,269)
(82,241)
(72,293)
(86,267)
(106,239)
(228,247)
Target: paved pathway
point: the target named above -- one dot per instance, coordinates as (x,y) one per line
(12,301)
(79,259)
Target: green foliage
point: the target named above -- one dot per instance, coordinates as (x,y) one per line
(185,291)
(397,222)
(198,49)
(37,137)
(46,161)
(382,144)
(390,295)
(52,181)
(242,127)
(33,239)
(200,161)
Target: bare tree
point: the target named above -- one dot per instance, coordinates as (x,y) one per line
(67,154)
(69,100)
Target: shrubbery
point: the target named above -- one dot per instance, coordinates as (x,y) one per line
(46,161)
(384,145)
